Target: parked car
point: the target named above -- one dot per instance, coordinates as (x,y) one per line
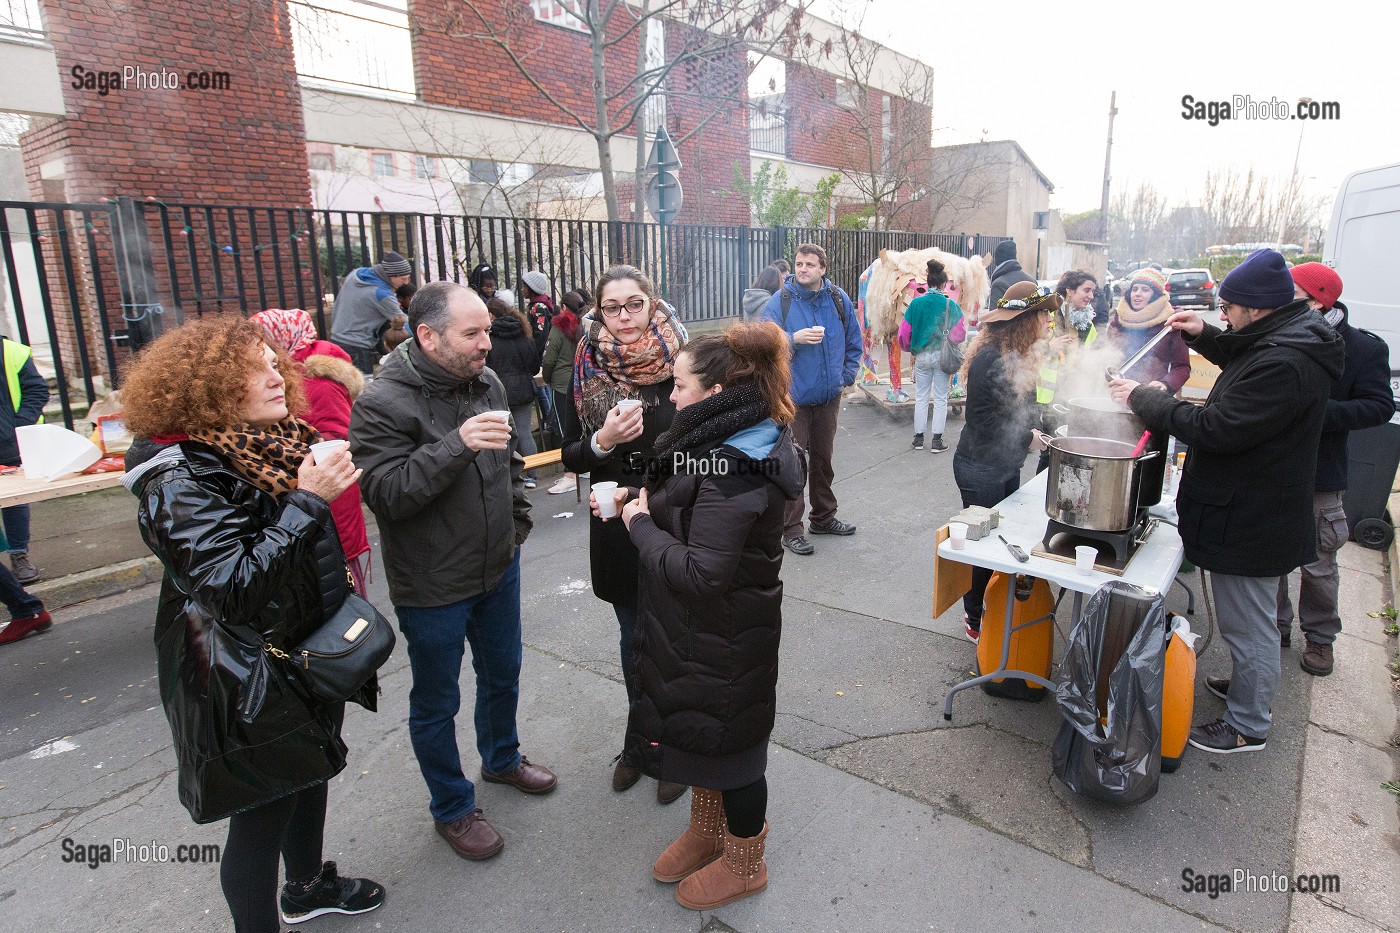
(1191,288)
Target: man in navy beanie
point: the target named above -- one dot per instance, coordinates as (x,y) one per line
(1245,503)
(366,304)
(1006,271)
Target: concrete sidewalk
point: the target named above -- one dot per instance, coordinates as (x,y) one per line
(884,817)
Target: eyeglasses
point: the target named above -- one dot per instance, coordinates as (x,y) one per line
(1021,304)
(634,306)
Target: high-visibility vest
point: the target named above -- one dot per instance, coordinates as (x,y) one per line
(1049,376)
(16,355)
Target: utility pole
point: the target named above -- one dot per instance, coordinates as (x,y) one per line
(1107,155)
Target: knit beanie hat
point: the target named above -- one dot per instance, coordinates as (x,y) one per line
(391,264)
(538,281)
(1320,282)
(1005,250)
(1261,281)
(1152,277)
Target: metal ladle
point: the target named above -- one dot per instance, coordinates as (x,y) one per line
(1117,373)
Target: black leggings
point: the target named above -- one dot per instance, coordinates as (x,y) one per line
(292,826)
(746,808)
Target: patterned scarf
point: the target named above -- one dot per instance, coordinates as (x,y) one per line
(289,328)
(712,419)
(266,457)
(1157,311)
(606,372)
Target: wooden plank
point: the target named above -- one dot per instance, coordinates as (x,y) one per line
(544,458)
(16,489)
(951,579)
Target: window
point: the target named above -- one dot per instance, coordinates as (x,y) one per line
(424,167)
(886,131)
(382,164)
(566,13)
(654,57)
(848,94)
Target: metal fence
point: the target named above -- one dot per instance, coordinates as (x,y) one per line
(100,280)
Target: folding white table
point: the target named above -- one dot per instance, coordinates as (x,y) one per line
(1153,567)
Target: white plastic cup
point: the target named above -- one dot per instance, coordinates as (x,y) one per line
(628,404)
(957,533)
(1084,557)
(820,329)
(500,414)
(606,496)
(322,450)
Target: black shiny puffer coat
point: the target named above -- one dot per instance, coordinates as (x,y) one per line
(239,564)
(709,618)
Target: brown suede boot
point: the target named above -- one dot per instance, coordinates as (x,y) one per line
(700,844)
(740,873)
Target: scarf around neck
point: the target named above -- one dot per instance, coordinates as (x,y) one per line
(606,372)
(1153,314)
(708,421)
(266,457)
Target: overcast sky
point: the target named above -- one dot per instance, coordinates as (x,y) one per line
(989,58)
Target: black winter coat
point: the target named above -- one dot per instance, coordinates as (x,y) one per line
(1246,498)
(514,359)
(239,563)
(1360,399)
(1005,275)
(33,396)
(611,556)
(710,615)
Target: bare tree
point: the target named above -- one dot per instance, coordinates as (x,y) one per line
(706,31)
(890,101)
(1137,224)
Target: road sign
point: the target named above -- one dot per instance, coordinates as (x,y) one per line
(664,197)
(663,154)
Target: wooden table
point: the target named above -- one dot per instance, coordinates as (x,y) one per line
(15,489)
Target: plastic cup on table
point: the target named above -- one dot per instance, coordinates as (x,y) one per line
(957,533)
(606,496)
(323,449)
(1084,557)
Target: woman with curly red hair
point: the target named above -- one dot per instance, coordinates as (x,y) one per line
(238,512)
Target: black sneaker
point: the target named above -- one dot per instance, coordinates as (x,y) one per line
(328,893)
(1219,686)
(936,445)
(799,545)
(918,442)
(833,527)
(1224,739)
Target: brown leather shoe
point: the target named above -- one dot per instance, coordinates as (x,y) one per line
(1317,659)
(526,778)
(624,775)
(471,837)
(669,792)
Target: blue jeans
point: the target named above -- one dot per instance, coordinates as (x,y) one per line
(437,639)
(627,628)
(986,485)
(17,528)
(926,375)
(15,597)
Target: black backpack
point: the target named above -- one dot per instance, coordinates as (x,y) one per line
(838,298)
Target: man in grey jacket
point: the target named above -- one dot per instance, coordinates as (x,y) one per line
(366,303)
(433,435)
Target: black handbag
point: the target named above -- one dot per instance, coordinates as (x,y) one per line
(337,659)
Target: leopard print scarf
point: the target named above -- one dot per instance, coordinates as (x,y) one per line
(266,457)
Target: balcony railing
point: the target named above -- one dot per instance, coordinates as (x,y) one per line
(355,44)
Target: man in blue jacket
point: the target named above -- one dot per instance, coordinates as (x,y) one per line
(826,343)
(366,304)
(1360,399)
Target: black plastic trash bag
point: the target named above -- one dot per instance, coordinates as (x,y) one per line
(1110,743)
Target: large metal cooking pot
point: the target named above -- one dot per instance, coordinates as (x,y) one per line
(1105,418)
(1094,483)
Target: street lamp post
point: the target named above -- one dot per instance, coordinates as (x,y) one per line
(1292,180)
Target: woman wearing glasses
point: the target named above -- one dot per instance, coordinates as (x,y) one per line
(1141,314)
(1000,375)
(626,354)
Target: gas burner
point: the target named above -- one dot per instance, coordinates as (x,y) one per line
(1124,543)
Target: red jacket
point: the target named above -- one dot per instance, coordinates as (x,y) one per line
(332,384)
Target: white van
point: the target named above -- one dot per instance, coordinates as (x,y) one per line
(1361,245)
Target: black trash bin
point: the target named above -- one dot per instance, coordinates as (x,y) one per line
(1374,455)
